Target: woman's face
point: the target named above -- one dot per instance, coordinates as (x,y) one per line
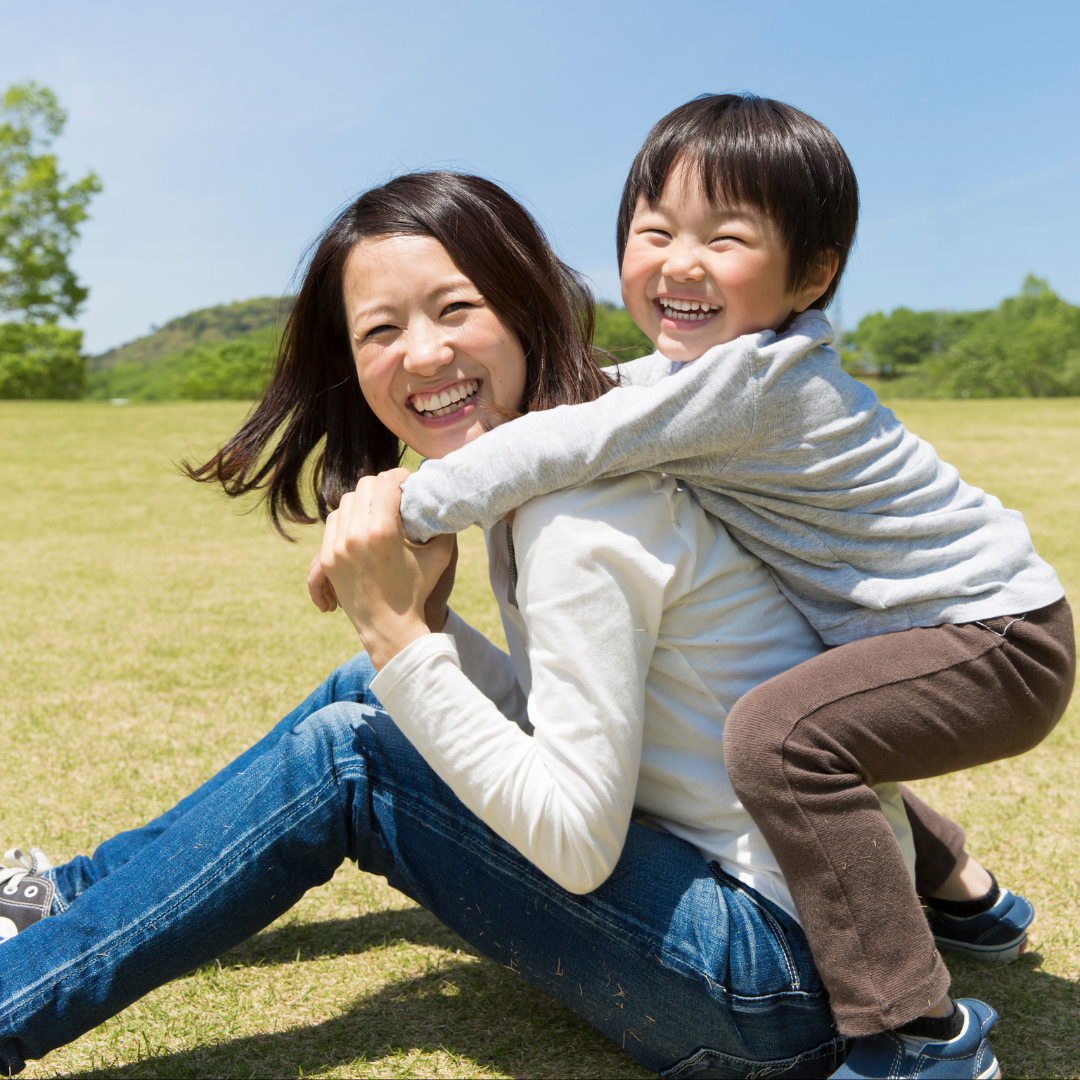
(430,351)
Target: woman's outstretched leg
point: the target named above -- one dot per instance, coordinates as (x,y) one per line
(680,966)
(349,683)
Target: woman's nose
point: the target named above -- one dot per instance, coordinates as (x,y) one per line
(427,350)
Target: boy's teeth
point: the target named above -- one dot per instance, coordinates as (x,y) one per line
(688,310)
(442,403)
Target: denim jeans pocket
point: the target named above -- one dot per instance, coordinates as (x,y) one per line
(761,957)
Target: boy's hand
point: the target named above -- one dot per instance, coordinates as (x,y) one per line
(381,579)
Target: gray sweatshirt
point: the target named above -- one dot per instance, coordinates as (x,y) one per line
(862,526)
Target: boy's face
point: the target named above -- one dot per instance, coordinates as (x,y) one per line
(695,275)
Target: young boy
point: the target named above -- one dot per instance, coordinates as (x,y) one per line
(952,639)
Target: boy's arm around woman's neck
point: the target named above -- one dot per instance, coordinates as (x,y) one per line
(689,424)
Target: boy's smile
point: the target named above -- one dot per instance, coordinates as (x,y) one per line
(695,274)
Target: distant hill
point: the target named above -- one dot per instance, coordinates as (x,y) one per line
(206,327)
(228,352)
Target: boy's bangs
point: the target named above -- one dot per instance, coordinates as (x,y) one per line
(732,173)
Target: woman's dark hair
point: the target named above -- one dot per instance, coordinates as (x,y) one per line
(314,393)
(761,153)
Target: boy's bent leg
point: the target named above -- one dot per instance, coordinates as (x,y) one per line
(939,843)
(347,683)
(803,748)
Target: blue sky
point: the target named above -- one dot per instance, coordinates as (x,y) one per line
(227,133)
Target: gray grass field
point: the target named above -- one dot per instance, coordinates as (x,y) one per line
(148,633)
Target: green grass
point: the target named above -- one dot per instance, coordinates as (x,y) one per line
(148,633)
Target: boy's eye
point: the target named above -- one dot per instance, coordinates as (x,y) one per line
(659,232)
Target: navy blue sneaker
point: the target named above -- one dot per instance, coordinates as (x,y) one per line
(998,935)
(967,1057)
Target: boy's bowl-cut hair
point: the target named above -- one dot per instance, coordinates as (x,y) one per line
(761,153)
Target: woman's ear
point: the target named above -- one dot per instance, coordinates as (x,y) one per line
(818,281)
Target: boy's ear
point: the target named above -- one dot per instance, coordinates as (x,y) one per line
(818,282)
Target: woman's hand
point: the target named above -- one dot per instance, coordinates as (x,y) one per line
(382,580)
(318,585)
(437,606)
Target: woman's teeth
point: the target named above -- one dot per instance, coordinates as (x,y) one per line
(687,310)
(446,401)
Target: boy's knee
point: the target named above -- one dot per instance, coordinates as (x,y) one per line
(754,737)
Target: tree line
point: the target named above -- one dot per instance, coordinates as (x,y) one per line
(1028,346)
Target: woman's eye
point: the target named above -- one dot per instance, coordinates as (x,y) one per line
(378,330)
(456,306)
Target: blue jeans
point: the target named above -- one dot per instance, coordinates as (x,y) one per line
(690,971)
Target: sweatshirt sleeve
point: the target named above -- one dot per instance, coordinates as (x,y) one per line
(689,425)
(563,796)
(699,413)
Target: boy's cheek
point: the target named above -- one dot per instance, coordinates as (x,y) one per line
(638,306)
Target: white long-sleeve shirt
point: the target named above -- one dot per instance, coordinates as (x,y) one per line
(635,625)
(863,527)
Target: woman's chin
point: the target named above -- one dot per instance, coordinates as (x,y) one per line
(436,441)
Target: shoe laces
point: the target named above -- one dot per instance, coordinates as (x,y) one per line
(26,864)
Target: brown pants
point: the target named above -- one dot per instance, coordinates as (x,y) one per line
(803,749)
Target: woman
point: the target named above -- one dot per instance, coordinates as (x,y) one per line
(500,794)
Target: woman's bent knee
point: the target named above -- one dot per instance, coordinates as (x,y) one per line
(333,724)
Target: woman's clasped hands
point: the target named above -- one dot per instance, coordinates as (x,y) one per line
(393,591)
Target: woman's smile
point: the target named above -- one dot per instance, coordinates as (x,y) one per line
(448,401)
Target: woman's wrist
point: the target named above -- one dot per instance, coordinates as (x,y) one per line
(382,647)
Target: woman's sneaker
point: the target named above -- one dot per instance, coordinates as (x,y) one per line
(966,1057)
(997,935)
(25,895)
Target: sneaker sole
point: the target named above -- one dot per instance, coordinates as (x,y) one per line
(993,1073)
(991,954)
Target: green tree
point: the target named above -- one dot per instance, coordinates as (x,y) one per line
(617,334)
(40,213)
(41,362)
(897,343)
(1027,347)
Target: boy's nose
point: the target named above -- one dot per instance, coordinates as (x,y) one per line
(682,265)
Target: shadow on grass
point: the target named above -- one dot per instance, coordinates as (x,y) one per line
(344,937)
(1039,1030)
(478,1012)
(491,1019)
